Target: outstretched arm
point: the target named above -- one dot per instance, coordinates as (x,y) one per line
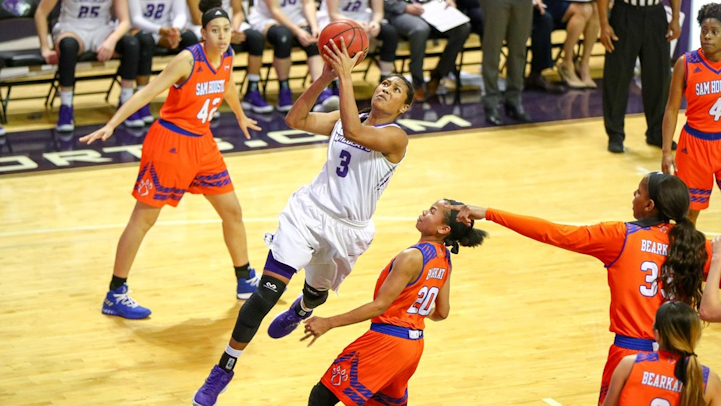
(41,26)
(603,241)
(406,268)
(177,71)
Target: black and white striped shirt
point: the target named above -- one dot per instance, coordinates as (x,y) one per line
(642,2)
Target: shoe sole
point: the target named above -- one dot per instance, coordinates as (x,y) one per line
(283,109)
(113,313)
(256,109)
(65,128)
(134,123)
(149,120)
(244,296)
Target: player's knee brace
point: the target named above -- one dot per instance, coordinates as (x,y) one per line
(67,59)
(313,297)
(282,40)
(256,308)
(129,49)
(322,396)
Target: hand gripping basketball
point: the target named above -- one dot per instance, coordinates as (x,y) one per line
(354,36)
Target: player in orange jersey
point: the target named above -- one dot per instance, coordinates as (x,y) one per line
(375,368)
(180,154)
(697,76)
(672,375)
(661,250)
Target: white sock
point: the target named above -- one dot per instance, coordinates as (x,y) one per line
(139,88)
(305,309)
(125,94)
(386,68)
(233,352)
(253,78)
(66,97)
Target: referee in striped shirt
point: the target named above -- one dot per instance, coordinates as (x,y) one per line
(636,28)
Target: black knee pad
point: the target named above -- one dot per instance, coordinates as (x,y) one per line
(256,308)
(147,47)
(313,297)
(129,49)
(322,396)
(67,59)
(255,42)
(282,40)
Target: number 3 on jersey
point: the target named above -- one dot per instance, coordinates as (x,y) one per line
(342,170)
(426,298)
(208,110)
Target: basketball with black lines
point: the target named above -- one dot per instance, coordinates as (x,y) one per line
(354,36)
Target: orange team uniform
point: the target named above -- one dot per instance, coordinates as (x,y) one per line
(633,253)
(652,381)
(699,147)
(375,368)
(179,152)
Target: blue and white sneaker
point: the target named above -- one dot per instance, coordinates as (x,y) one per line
(118,303)
(284,323)
(146,115)
(254,101)
(65,119)
(214,385)
(327,101)
(246,287)
(285,100)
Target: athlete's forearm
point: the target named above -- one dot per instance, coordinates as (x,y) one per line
(603,241)
(357,315)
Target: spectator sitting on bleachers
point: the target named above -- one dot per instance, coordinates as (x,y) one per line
(405,16)
(244,39)
(541,47)
(161,23)
(577,16)
(286,23)
(509,21)
(82,27)
(371,19)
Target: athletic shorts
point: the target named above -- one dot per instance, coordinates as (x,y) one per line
(91,37)
(311,238)
(698,162)
(175,161)
(374,370)
(615,355)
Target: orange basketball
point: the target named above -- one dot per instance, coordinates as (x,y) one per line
(355,37)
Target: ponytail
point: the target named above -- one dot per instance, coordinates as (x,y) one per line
(461,234)
(679,330)
(682,272)
(692,392)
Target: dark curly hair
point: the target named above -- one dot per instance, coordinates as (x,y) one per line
(711,10)
(682,272)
